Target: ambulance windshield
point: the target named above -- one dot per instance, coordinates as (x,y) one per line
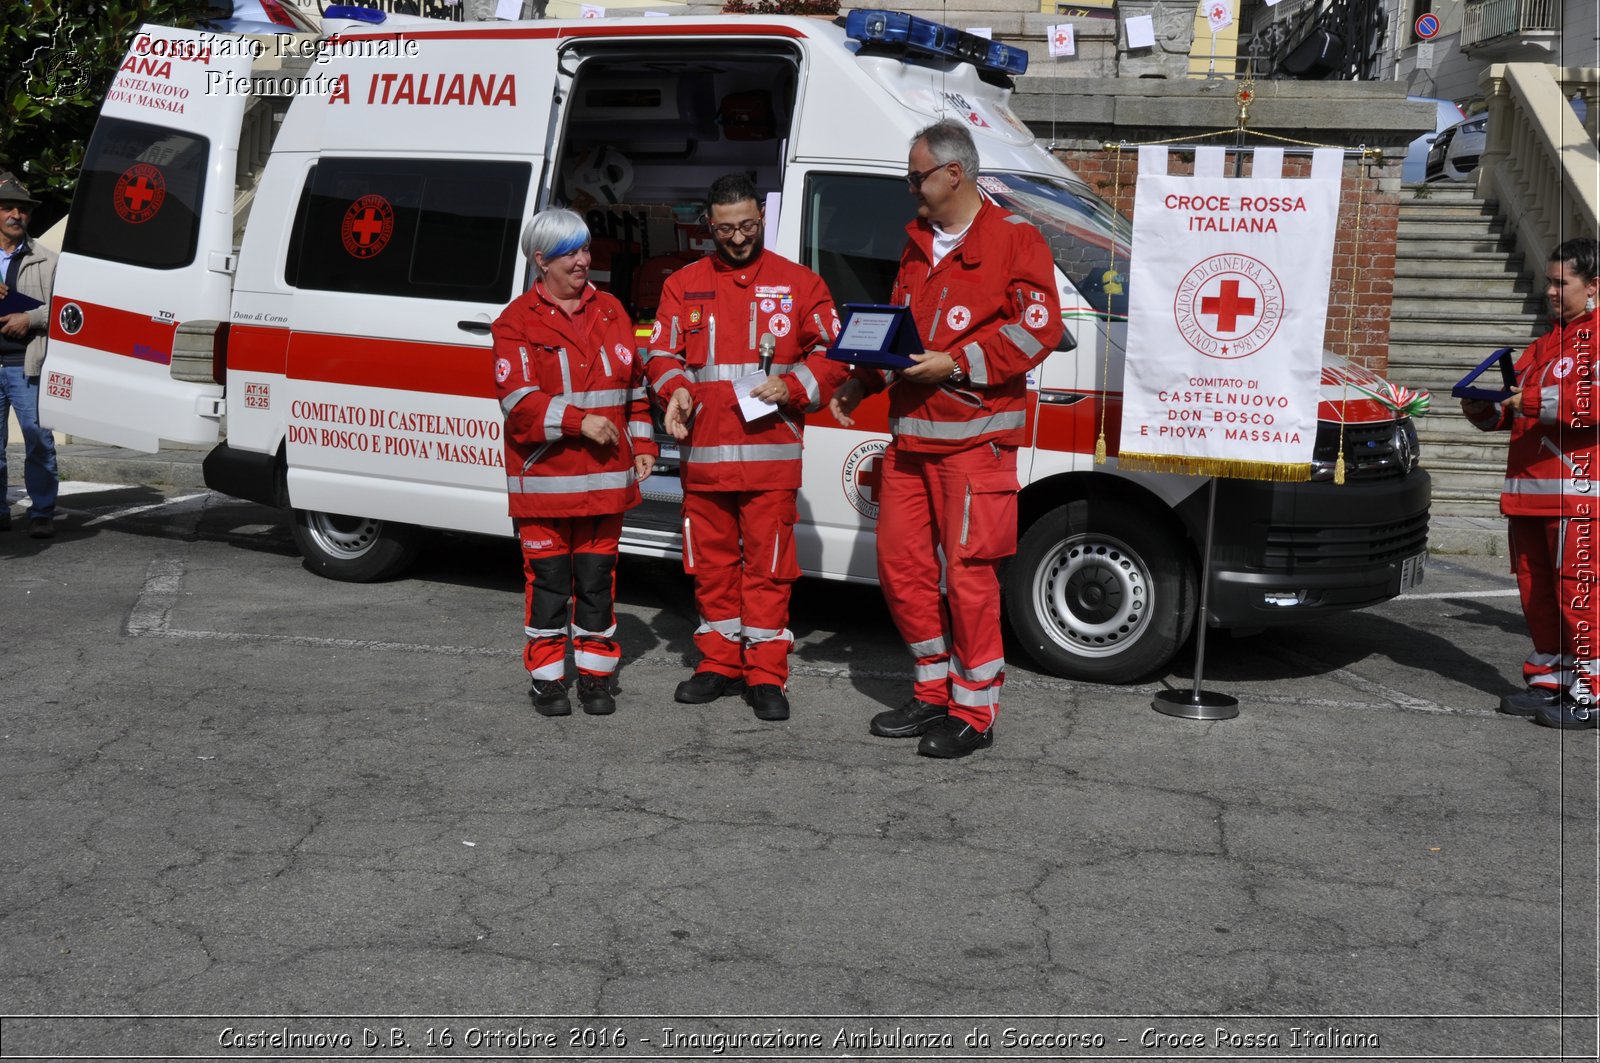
(1088,240)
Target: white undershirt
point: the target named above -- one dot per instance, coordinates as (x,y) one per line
(944,243)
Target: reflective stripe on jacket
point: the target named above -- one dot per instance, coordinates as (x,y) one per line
(992,304)
(708,335)
(1555,430)
(552,370)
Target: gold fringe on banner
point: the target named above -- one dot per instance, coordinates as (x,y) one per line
(1232,468)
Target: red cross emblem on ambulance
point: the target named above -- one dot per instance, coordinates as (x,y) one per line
(140,191)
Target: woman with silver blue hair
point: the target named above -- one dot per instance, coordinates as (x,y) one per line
(554,234)
(578,440)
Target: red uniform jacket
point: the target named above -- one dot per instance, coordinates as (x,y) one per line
(992,304)
(550,371)
(707,335)
(1550,464)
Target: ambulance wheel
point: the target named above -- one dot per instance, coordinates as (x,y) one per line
(1102,591)
(354,549)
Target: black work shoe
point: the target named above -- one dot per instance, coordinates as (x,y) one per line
(1568,713)
(41,528)
(768,701)
(1530,701)
(908,721)
(594,692)
(550,698)
(703,687)
(954,737)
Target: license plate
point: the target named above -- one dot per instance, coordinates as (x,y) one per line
(1412,569)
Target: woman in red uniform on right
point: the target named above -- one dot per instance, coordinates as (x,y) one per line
(1550,498)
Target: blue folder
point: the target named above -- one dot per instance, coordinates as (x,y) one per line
(1465,388)
(17,303)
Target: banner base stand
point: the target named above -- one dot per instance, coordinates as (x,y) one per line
(1195,704)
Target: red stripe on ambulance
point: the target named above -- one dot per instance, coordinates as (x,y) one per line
(370,362)
(114,331)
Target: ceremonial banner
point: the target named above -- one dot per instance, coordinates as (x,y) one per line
(1228,300)
(1062,40)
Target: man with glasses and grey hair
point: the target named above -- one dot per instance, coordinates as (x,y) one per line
(741,314)
(981,287)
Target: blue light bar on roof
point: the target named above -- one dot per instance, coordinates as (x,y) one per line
(896,28)
(358,14)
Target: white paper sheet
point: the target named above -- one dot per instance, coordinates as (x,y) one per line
(1141,30)
(750,407)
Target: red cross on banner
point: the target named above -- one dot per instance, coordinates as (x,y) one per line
(1228,307)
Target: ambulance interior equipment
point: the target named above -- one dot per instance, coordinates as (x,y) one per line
(345,335)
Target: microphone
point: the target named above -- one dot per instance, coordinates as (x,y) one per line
(769,347)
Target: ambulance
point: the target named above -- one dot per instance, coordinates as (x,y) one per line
(345,299)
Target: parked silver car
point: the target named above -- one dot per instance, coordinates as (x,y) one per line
(1446,114)
(1456,151)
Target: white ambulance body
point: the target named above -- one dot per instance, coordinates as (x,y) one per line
(352,321)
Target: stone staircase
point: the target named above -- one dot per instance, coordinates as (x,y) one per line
(1459,293)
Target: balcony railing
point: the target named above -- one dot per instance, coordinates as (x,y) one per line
(1484,20)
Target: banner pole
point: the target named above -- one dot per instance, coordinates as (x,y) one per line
(1198,704)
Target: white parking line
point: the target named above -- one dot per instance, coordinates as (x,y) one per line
(134,510)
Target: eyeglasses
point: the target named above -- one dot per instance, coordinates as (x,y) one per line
(915,178)
(748,227)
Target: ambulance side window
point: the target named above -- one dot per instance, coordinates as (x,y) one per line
(420,228)
(138,196)
(853,232)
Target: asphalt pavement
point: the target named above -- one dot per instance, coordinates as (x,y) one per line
(255,813)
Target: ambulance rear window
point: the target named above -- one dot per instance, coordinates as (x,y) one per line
(422,228)
(139,196)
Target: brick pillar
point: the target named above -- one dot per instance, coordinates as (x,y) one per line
(1363,262)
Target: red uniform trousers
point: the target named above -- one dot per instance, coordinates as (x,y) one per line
(963,504)
(1554,559)
(569,566)
(739,547)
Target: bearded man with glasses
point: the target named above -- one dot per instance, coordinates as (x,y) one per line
(741,312)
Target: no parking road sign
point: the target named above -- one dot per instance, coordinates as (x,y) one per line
(1427,26)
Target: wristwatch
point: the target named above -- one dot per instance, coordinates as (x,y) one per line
(958,376)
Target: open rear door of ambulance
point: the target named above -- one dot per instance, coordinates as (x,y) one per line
(149,244)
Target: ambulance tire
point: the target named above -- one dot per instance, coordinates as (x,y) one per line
(354,549)
(1101,591)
